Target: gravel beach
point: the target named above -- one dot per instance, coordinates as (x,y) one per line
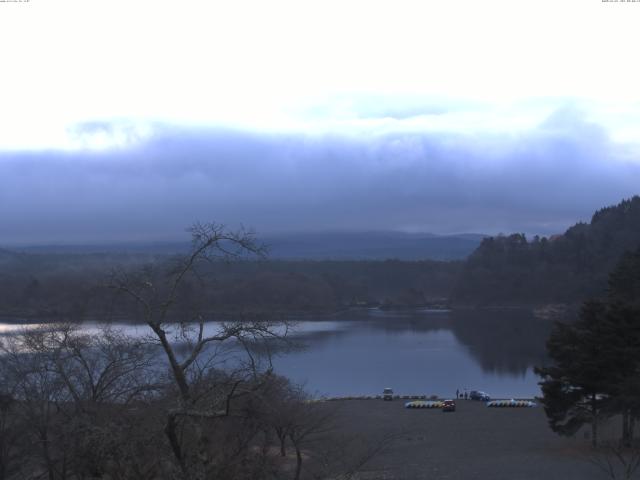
(474,442)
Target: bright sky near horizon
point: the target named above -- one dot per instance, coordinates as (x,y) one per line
(313,66)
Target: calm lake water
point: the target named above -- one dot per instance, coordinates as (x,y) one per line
(421,353)
(414,352)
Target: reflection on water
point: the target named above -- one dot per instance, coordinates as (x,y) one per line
(423,353)
(414,352)
(503,341)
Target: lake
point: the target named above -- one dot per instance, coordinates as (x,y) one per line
(421,352)
(360,352)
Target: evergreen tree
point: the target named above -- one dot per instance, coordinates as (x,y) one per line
(596,361)
(574,387)
(623,316)
(624,281)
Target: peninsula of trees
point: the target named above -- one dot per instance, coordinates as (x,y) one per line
(561,269)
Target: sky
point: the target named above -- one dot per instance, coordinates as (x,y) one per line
(124,121)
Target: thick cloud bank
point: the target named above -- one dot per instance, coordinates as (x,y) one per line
(540,181)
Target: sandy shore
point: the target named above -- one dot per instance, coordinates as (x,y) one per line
(475,442)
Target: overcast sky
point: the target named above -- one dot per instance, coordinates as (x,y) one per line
(129,120)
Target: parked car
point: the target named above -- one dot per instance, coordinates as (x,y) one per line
(478,395)
(449,406)
(387,394)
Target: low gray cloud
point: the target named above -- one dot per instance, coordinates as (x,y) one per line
(540,181)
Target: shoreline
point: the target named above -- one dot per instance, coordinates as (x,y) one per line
(542,311)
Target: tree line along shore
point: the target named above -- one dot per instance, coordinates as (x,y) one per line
(506,270)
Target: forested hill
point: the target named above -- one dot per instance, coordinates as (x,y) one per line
(564,268)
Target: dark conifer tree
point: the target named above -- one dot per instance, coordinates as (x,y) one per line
(623,316)
(574,386)
(596,360)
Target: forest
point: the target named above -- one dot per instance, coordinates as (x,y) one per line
(72,286)
(507,270)
(503,270)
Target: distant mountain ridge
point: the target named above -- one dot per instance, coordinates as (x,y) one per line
(313,246)
(563,268)
(372,246)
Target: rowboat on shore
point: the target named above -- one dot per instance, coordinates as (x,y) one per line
(424,404)
(511,403)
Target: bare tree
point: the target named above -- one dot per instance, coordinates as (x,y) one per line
(71,391)
(37,391)
(308,422)
(102,367)
(616,460)
(311,429)
(192,351)
(10,431)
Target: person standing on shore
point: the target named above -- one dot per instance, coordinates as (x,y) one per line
(457,393)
